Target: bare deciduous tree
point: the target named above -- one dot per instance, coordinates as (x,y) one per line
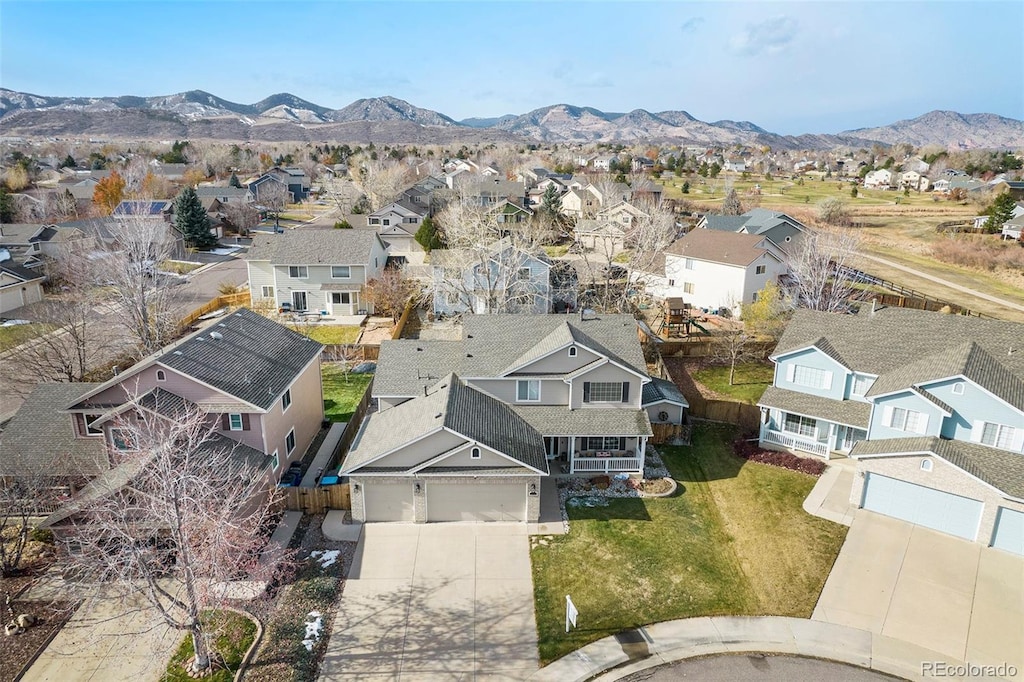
(242,216)
(819,267)
(274,196)
(731,347)
(382,181)
(188,522)
(833,211)
(390,292)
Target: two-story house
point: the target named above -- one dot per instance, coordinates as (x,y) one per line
(293,179)
(783,230)
(316,270)
(931,406)
(466,429)
(714,269)
(257,382)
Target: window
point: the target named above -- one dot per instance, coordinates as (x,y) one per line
(286,400)
(572,351)
(753,298)
(605,392)
(92,430)
(604,443)
(289,442)
(926,465)
(958,388)
(474,453)
(997,435)
(298,271)
(341,297)
(275,461)
(267,291)
(671,282)
(524,274)
(688,264)
(123,439)
(235,422)
(803,426)
(760,269)
(908,420)
(811,377)
(861,384)
(528,390)
(687,287)
(341,271)
(387,221)
(161,375)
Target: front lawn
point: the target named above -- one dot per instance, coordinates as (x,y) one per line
(234,635)
(330,334)
(18,334)
(752,378)
(342,392)
(734,541)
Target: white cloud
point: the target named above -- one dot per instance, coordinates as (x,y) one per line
(767,37)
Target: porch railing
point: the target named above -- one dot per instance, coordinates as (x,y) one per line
(604,465)
(795,442)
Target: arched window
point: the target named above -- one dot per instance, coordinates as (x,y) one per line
(572,351)
(474,453)
(161,375)
(926,465)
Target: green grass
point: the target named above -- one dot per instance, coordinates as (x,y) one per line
(342,392)
(556,251)
(330,334)
(750,382)
(234,635)
(734,540)
(20,333)
(179,267)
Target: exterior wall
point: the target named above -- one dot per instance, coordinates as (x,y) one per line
(305,415)
(261,274)
(753,282)
(606,372)
(488,458)
(420,499)
(417,452)
(782,234)
(943,476)
(561,362)
(14,293)
(552,391)
(974,404)
(715,285)
(877,430)
(812,357)
(675,412)
(388,403)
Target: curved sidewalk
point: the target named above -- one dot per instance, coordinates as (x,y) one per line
(661,643)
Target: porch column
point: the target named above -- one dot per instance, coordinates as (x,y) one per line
(643,452)
(572,451)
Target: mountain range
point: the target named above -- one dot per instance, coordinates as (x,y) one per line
(285,117)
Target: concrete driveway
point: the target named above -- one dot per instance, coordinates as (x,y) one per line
(436,602)
(928,588)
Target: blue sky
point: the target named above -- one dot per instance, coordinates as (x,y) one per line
(789,67)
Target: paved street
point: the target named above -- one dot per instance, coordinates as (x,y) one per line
(731,668)
(436,601)
(928,588)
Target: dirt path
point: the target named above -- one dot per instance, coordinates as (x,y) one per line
(946,283)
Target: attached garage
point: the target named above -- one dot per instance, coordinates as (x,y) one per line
(1009,531)
(935,509)
(471,501)
(388,502)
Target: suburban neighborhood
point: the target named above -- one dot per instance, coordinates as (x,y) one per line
(291,392)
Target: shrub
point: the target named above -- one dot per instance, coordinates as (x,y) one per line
(343,225)
(984,254)
(44,535)
(750,451)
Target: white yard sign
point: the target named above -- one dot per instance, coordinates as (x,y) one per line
(570,613)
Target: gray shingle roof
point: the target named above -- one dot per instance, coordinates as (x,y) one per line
(40,438)
(907,347)
(559,420)
(406,366)
(849,412)
(1001,469)
(662,389)
(451,404)
(254,360)
(715,246)
(725,223)
(21,272)
(310,246)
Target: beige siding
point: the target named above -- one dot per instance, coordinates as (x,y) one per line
(388,403)
(420,451)
(560,362)
(943,476)
(607,372)
(17,295)
(304,415)
(488,458)
(552,391)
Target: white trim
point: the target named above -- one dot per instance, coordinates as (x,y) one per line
(929,453)
(291,432)
(389,452)
(812,416)
(276,460)
(231,421)
(528,382)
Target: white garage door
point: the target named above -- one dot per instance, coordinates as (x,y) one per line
(388,502)
(1009,531)
(924,506)
(469,502)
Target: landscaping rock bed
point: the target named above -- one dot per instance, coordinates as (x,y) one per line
(594,491)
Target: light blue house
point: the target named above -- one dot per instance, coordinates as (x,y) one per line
(931,406)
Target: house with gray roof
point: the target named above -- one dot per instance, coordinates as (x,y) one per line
(19,285)
(930,405)
(783,230)
(465,429)
(257,382)
(316,270)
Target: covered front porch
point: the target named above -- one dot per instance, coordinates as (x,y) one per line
(596,454)
(803,433)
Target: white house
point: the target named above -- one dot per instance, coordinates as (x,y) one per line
(878,179)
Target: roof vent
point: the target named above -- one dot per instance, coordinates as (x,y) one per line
(216,336)
(177,352)
(418,348)
(222,325)
(469,355)
(437,416)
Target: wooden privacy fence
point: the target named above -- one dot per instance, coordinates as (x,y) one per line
(397,333)
(664,433)
(222,301)
(352,352)
(319,499)
(747,417)
(352,427)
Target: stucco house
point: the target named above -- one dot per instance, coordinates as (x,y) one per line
(930,405)
(316,270)
(466,429)
(257,381)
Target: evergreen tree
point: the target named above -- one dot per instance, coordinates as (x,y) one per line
(551,201)
(68,162)
(427,236)
(731,205)
(999,212)
(6,207)
(235,182)
(191,220)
